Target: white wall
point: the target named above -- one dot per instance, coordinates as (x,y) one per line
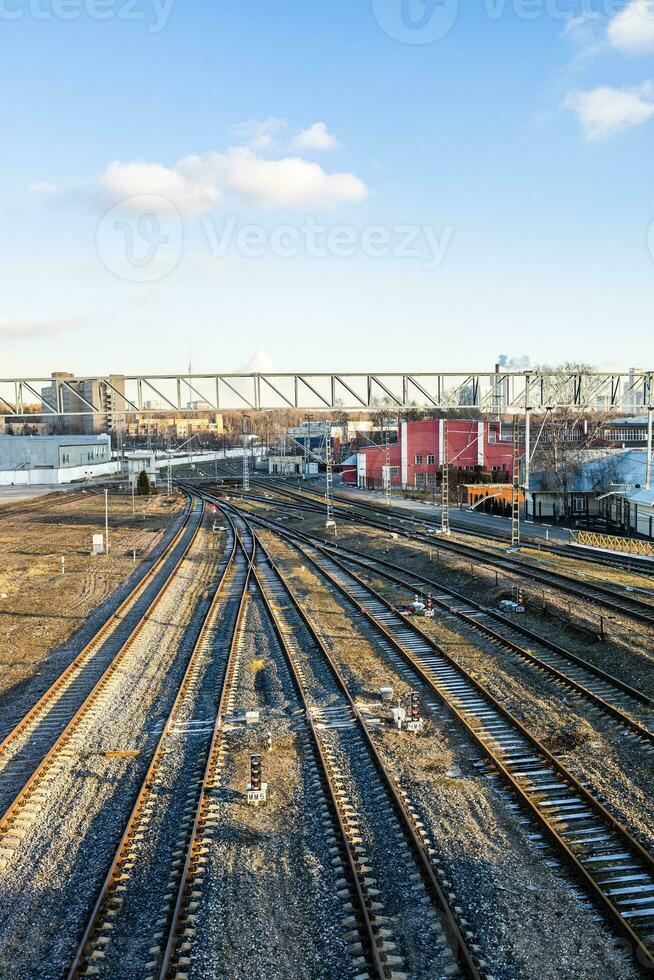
(31,478)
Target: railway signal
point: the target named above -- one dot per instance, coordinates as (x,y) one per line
(417,722)
(257,790)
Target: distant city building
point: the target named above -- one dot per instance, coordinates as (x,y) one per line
(173,426)
(66,394)
(633,393)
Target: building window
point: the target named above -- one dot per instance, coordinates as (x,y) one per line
(431,479)
(420,460)
(579,503)
(420,479)
(431,460)
(395,471)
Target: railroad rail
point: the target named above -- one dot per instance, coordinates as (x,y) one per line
(550,547)
(579,553)
(630,707)
(39,741)
(370,935)
(137,879)
(175,961)
(620,603)
(616,870)
(612,695)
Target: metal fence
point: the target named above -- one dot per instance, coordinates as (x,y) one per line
(611,542)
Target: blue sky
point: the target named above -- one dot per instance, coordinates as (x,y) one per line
(485,191)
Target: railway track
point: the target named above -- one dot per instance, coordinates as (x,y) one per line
(615,869)
(37,746)
(126,931)
(627,705)
(314,500)
(336,738)
(621,603)
(548,547)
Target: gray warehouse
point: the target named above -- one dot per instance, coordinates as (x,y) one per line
(53,459)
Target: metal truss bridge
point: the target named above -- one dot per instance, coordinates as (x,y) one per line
(493,392)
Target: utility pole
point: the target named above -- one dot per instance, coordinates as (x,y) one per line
(133,502)
(330,522)
(445,484)
(106,522)
(246,470)
(650,411)
(307,445)
(387,458)
(515,495)
(527,447)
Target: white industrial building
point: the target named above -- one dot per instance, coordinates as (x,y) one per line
(49,460)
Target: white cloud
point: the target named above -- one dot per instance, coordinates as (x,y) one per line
(258,363)
(196,185)
(587,33)
(605,111)
(43,187)
(316,137)
(130,181)
(632,30)
(23,329)
(259,134)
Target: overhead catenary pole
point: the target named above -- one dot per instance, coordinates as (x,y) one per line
(445,484)
(246,470)
(648,466)
(515,494)
(527,447)
(387,461)
(330,522)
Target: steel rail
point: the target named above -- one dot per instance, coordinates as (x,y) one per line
(602,595)
(84,655)
(606,680)
(549,547)
(117,873)
(459,944)
(647,736)
(504,759)
(180,917)
(14,808)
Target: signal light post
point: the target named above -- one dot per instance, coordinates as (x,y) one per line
(417,722)
(257,790)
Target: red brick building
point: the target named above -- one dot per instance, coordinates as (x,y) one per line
(478,450)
